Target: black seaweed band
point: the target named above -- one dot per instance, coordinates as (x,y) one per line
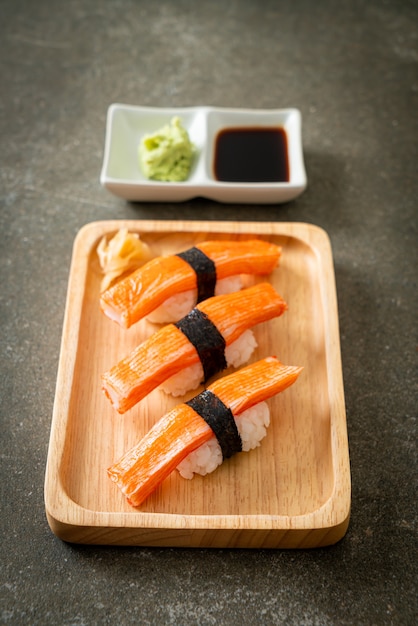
(220,419)
(206,338)
(205,271)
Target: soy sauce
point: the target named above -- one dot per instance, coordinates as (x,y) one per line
(251,155)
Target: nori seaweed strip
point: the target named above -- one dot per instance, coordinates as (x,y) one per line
(221,420)
(206,338)
(205,271)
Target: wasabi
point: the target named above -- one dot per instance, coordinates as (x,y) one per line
(167,154)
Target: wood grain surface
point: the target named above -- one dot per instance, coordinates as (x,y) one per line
(293,491)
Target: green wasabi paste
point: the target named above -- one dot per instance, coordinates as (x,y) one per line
(167,154)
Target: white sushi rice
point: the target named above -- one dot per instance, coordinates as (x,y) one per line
(228,285)
(174,308)
(202,461)
(240,350)
(236,354)
(252,426)
(186,380)
(179,305)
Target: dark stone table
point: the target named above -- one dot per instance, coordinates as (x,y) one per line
(351,68)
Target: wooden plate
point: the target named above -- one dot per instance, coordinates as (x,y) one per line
(292,492)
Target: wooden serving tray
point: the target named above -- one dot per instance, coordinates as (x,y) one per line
(292,492)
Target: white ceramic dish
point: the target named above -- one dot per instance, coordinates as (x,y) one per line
(122,176)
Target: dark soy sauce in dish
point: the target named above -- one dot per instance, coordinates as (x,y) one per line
(251,155)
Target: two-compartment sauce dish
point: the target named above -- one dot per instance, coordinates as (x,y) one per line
(241,155)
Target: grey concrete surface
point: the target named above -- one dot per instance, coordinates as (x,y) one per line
(351,68)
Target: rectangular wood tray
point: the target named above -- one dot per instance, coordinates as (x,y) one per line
(293,491)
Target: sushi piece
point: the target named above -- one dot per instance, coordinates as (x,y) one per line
(204,338)
(214,416)
(236,354)
(167,288)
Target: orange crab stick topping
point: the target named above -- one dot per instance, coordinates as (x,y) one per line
(139,472)
(137,295)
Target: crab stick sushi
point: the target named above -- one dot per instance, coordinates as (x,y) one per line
(166,288)
(182,355)
(228,417)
